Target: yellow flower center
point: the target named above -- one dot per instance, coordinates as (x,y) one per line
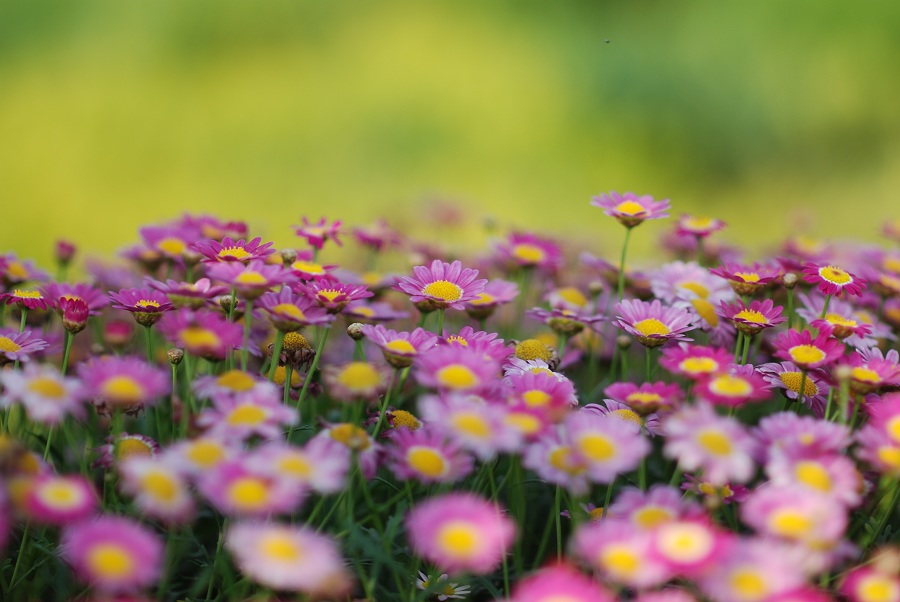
(236,380)
(17,270)
(289,310)
(891,264)
(651,326)
(806,354)
(629,416)
(748,585)
(813,474)
(630,208)
(160,486)
(251,278)
(195,336)
(866,375)
(651,516)
(457,376)
(171,246)
(404,419)
(426,461)
(7,345)
(248,493)
(128,447)
(893,428)
(471,424)
(751,277)
(205,454)
(366,312)
(598,448)
(792,380)
(60,494)
(330,294)
(789,523)
(596,514)
(696,288)
(730,386)
(234,253)
(685,542)
(839,320)
(308,267)
(359,376)
(835,275)
(533,349)
(563,459)
(110,561)
(528,253)
(697,223)
(643,398)
(536,397)
(350,435)
(699,365)
(572,295)
(890,456)
(458,539)
(400,346)
(443,290)
(620,560)
(714,442)
(122,389)
(27,294)
(877,588)
(751,315)
(281,548)
(246,415)
(47,387)
(147,303)
(706,310)
(523,422)
(482,299)
(294,341)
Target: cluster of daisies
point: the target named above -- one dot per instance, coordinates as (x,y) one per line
(215,419)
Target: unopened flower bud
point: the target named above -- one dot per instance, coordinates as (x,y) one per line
(74,314)
(623,341)
(65,251)
(288,256)
(843,372)
(354,331)
(175,355)
(789,280)
(595,287)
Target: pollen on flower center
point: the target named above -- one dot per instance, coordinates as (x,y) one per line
(350,435)
(528,253)
(246,415)
(330,294)
(813,474)
(835,275)
(281,548)
(714,442)
(308,268)
(472,424)
(359,375)
(27,294)
(630,208)
(643,398)
(866,375)
(251,278)
(629,415)
(234,252)
(160,485)
(7,345)
(748,276)
(877,588)
(122,388)
(751,315)
(400,346)
(248,492)
(110,560)
(205,453)
(443,290)
(457,376)
(706,310)
(289,310)
(458,539)
(147,303)
(562,459)
(730,385)
(131,447)
(651,326)
(236,380)
(790,523)
(47,387)
(597,447)
(197,336)
(651,516)
(172,246)
(839,320)
(699,365)
(748,584)
(792,381)
(696,288)
(806,354)
(535,397)
(532,349)
(426,461)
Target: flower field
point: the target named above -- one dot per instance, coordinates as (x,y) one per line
(215,419)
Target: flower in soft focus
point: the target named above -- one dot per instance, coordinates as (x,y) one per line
(460,532)
(113,554)
(621,553)
(64,251)
(871,370)
(443,285)
(19,346)
(699,226)
(427,456)
(145,305)
(833,475)
(246,415)
(752,571)
(525,250)
(230,250)
(16,271)
(317,234)
(698,438)
(400,348)
(832,280)
(554,459)
(331,294)
(689,547)
(733,388)
(252,279)
(478,427)
(58,500)
(869,584)
(478,342)
(806,352)
(795,514)
(196,456)
(125,446)
(453,368)
(289,311)
(306,268)
(557,583)
(794,434)
(200,333)
(288,558)
(356,380)
(606,449)
(495,294)
(123,382)
(541,392)
(26,299)
(94,297)
(649,424)
(74,314)
(443,589)
(159,489)
(714,495)
(747,279)
(630,209)
(232,383)
(355,439)
(242,488)
(364,311)
(647,397)
(750,319)
(322,464)
(694,361)
(787,376)
(649,509)
(377,236)
(651,323)
(565,321)
(47,396)
(187,294)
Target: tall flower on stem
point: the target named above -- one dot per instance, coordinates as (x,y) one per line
(631,210)
(317,234)
(146,307)
(289,312)
(832,280)
(442,285)
(230,250)
(652,324)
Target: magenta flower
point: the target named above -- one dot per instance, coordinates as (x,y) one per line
(322,464)
(479,427)
(317,234)
(606,448)
(804,351)
(753,570)
(230,250)
(256,413)
(331,294)
(651,323)
(460,532)
(16,271)
(872,370)
(187,294)
(787,376)
(868,583)
(751,319)
(74,313)
(200,333)
(123,382)
(795,514)
(559,582)
(844,320)
(145,305)
(250,280)
(699,226)
(244,489)
(495,293)
(113,554)
(620,553)
(305,268)
(630,209)
(427,456)
(733,388)
(451,368)
(443,285)
(830,474)
(649,424)
(649,509)
(400,348)
(26,299)
(47,396)
(171,241)
(377,236)
(59,500)
(527,250)
(479,342)
(832,280)
(94,297)
(541,392)
(64,251)
(19,346)
(555,460)
(646,398)
(747,279)
(373,312)
(289,311)
(694,361)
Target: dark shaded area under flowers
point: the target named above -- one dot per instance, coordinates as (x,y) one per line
(529,423)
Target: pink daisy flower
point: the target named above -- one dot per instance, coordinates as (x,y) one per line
(832,475)
(443,285)
(145,305)
(452,368)
(232,383)
(787,377)
(752,571)
(649,509)
(306,268)
(525,250)
(201,333)
(15,271)
(113,554)
(460,532)
(246,415)
(733,388)
(357,440)
(201,454)
(123,382)
(425,455)
(555,460)
(400,348)
(290,311)
(187,294)
(47,396)
(250,280)
(476,426)
(747,279)
(841,317)
(366,312)
(832,280)
(795,514)
(805,352)
(651,323)
(377,236)
(646,398)
(689,547)
(19,346)
(59,500)
(699,226)
(495,294)
(687,281)
(669,594)
(171,241)
(158,488)
(332,295)
(630,209)
(621,553)
(699,439)
(542,392)
(870,583)
(879,450)
(241,488)
(230,250)
(793,434)
(694,361)
(357,381)
(871,370)
(557,582)
(26,299)
(94,297)
(478,342)
(885,415)
(606,449)
(288,558)
(322,464)
(317,234)
(750,319)
(118,449)
(649,424)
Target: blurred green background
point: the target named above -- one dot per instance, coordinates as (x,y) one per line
(776,116)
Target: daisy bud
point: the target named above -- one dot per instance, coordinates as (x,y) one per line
(175,355)
(288,256)
(623,341)
(65,251)
(225,303)
(595,287)
(843,372)
(74,314)
(354,331)
(789,280)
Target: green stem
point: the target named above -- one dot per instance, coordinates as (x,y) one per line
(245,349)
(422,319)
(47,446)
(384,405)
(621,287)
(312,368)
(700,251)
(68,348)
(276,354)
(825,307)
(828,404)
(608,499)
(649,363)
(22,321)
(558,518)
(738,346)
(212,574)
(22,545)
(747,340)
(802,392)
(440,324)
(359,352)
(288,372)
(790,304)
(642,474)
(149,344)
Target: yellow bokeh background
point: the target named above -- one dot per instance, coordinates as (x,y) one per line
(779,117)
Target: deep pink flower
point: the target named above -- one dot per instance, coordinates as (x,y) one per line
(59,500)
(747,279)
(443,285)
(74,314)
(201,333)
(230,250)
(559,582)
(123,382)
(26,299)
(331,294)
(631,209)
(750,319)
(400,348)
(694,361)
(94,297)
(316,234)
(528,250)
(250,280)
(832,280)
(289,311)
(479,342)
(734,387)
(451,368)
(145,305)
(646,398)
(695,225)
(427,456)
(187,294)
(805,352)
(651,323)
